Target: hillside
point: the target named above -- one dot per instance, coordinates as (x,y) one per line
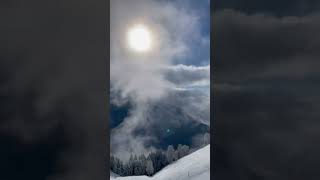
(195,166)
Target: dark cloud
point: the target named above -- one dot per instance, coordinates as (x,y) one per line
(53,89)
(262,46)
(266,98)
(265,134)
(274,7)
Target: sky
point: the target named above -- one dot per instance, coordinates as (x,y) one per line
(161,97)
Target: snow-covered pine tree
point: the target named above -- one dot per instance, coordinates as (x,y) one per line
(149,167)
(182,150)
(112,163)
(143,161)
(130,166)
(170,154)
(206,139)
(136,166)
(117,166)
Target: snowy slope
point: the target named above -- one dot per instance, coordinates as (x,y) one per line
(195,166)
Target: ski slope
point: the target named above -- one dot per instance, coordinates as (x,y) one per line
(195,166)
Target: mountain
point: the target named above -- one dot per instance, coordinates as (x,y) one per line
(195,166)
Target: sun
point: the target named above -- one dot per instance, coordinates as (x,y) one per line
(139,38)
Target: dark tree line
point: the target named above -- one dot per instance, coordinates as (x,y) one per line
(153,163)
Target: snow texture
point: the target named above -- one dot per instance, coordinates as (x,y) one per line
(195,166)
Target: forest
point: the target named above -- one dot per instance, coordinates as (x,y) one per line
(148,165)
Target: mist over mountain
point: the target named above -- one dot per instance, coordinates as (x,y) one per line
(161,96)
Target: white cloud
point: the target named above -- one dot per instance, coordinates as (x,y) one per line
(141,76)
(144,79)
(186,76)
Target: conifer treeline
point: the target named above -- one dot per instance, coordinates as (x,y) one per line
(154,162)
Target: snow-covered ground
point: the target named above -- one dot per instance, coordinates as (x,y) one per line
(195,166)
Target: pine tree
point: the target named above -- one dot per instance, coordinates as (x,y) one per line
(116,166)
(126,169)
(143,162)
(130,167)
(185,150)
(182,150)
(158,159)
(121,168)
(206,139)
(136,166)
(149,167)
(170,154)
(154,162)
(112,163)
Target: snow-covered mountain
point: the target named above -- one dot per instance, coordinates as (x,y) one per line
(195,166)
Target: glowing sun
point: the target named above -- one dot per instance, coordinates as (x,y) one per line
(139,38)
